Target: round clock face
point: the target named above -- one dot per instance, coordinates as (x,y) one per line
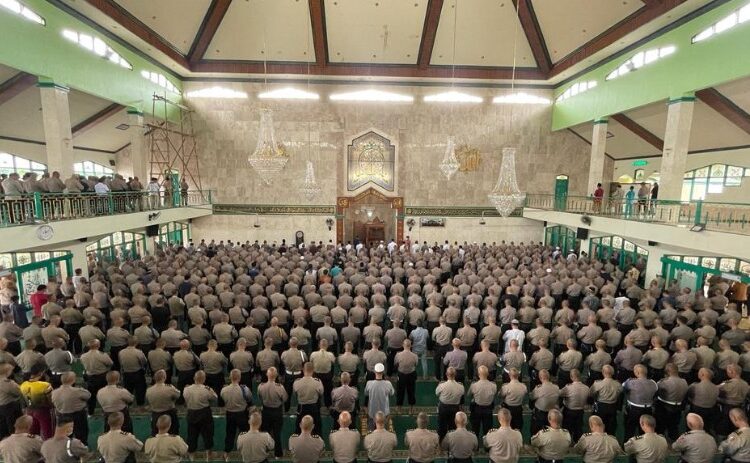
(45,232)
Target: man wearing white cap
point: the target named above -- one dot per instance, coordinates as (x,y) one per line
(378,392)
(514,333)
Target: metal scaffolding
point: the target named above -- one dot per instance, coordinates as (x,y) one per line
(172,143)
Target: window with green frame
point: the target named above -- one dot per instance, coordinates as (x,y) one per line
(697,183)
(15,164)
(722,264)
(116,245)
(11,260)
(89,168)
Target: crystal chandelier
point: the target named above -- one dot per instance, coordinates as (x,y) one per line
(269,157)
(310,188)
(449,165)
(506,196)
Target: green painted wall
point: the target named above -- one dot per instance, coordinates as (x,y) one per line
(692,67)
(44,52)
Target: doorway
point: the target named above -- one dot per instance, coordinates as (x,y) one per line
(561,192)
(369,217)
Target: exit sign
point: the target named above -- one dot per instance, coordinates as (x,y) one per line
(640,163)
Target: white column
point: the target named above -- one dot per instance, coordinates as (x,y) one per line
(57,128)
(676,144)
(653,265)
(80,260)
(138,155)
(598,147)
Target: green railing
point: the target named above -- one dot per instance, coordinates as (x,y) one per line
(50,207)
(730,217)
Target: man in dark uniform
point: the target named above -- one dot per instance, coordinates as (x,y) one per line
(70,403)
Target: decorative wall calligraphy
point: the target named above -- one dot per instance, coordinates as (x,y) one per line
(370,159)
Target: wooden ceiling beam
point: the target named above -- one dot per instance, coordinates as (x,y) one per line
(211,22)
(533,32)
(429,32)
(639,130)
(726,107)
(135,26)
(646,14)
(320,38)
(96,119)
(381,70)
(16,85)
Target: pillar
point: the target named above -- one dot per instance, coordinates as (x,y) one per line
(653,265)
(676,144)
(138,155)
(598,148)
(80,259)
(57,129)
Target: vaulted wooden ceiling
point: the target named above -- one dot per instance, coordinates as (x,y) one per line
(547,40)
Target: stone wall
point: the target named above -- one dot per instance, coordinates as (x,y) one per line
(227,132)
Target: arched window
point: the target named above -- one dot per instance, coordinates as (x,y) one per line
(88,168)
(711,179)
(10,164)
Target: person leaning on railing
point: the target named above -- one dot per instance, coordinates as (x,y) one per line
(14,190)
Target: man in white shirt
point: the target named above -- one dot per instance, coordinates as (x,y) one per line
(514,333)
(153,189)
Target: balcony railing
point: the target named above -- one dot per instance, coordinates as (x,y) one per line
(49,207)
(728,217)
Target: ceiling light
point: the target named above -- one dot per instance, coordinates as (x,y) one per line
(216,92)
(453,97)
(288,93)
(372,95)
(520,98)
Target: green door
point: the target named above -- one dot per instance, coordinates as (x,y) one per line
(561,192)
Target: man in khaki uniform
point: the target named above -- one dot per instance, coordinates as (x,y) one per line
(273,395)
(306,447)
(405,363)
(10,400)
(606,395)
(513,395)
(237,398)
(21,447)
(254,445)
(309,391)
(696,445)
(70,402)
(737,446)
(597,446)
(113,398)
(422,443)
(344,399)
(459,443)
(323,361)
(449,393)
(61,448)
(482,394)
(380,443)
(293,360)
(162,399)
(133,364)
(575,395)
(200,421)
(649,447)
(96,364)
(214,364)
(345,441)
(545,397)
(186,363)
(552,443)
(504,443)
(118,446)
(165,447)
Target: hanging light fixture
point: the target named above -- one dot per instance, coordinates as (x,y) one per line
(269,157)
(449,165)
(309,188)
(506,196)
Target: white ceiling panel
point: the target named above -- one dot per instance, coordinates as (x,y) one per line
(7,73)
(374,31)
(485,33)
(21,116)
(738,91)
(177,21)
(712,130)
(280,27)
(105,135)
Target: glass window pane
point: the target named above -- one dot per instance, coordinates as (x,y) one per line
(629,246)
(41,256)
(689,174)
(607,241)
(733,181)
(91,247)
(6,261)
(735,171)
(702,172)
(708,262)
(6,160)
(88,166)
(699,191)
(128,237)
(641,251)
(727,265)
(106,241)
(22,163)
(117,238)
(717,170)
(745,268)
(616,242)
(691,260)
(23,258)
(37,166)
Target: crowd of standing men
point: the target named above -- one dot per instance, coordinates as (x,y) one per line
(508,325)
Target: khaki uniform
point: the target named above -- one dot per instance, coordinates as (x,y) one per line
(450,392)
(21,448)
(254,446)
(309,390)
(116,446)
(344,398)
(198,396)
(67,399)
(65,450)
(306,448)
(293,360)
(459,443)
(236,399)
(423,445)
(598,447)
(648,448)
(513,393)
(380,445)
(504,444)
(114,398)
(166,448)
(695,446)
(344,444)
(162,397)
(551,444)
(737,445)
(96,362)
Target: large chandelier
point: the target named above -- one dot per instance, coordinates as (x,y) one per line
(310,188)
(269,157)
(506,196)
(450,164)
